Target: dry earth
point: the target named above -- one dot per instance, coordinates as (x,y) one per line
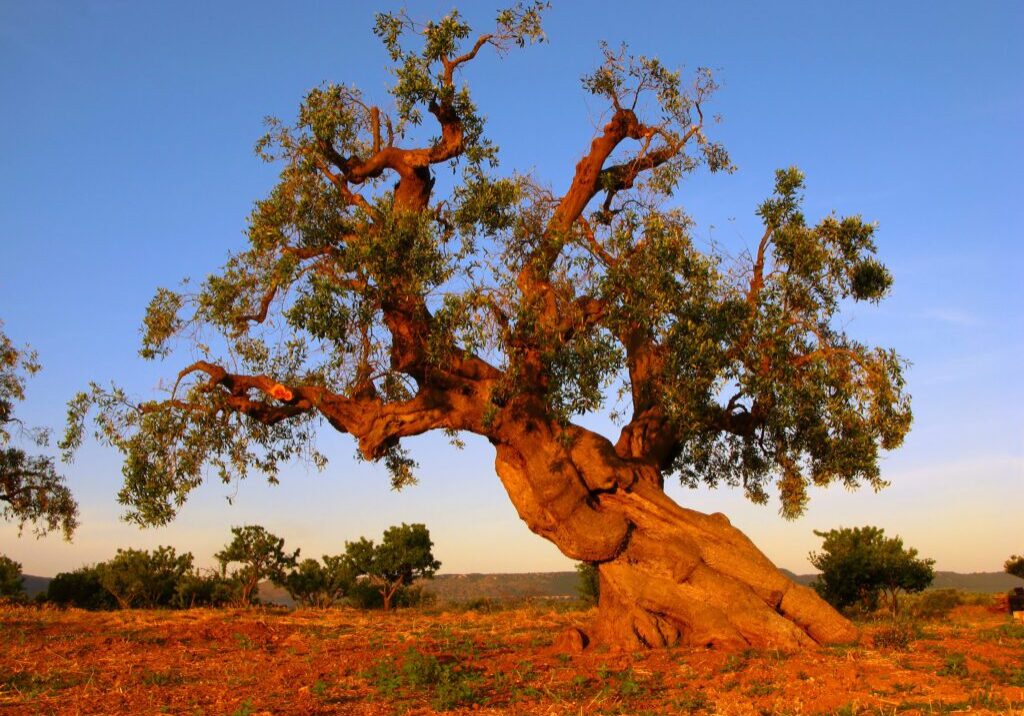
(414,662)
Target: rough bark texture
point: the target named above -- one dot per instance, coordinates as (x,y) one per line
(668,575)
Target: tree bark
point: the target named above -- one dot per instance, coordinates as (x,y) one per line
(668,575)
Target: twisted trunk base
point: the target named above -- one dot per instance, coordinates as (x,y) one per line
(668,575)
(693,579)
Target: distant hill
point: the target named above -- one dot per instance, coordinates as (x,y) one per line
(464,587)
(450,588)
(976,581)
(985,582)
(34,585)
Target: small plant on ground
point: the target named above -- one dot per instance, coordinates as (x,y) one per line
(955,664)
(452,684)
(897,635)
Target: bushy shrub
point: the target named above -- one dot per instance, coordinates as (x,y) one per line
(11,586)
(80,588)
(205,589)
(140,578)
(898,635)
(320,584)
(934,604)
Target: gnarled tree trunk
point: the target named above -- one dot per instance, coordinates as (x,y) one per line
(668,575)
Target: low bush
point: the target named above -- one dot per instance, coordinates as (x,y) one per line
(897,636)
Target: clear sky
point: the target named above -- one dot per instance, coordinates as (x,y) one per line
(126,140)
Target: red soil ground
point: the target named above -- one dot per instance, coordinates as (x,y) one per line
(422,662)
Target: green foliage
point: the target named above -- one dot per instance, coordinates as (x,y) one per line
(321,584)
(449,683)
(259,555)
(166,449)
(140,578)
(11,586)
(362,295)
(31,490)
(402,557)
(857,564)
(954,664)
(935,603)
(588,583)
(1015,566)
(80,588)
(205,589)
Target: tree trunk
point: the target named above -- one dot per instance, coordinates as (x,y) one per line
(668,575)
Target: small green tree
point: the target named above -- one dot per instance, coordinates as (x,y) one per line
(260,555)
(860,563)
(588,583)
(1015,565)
(80,588)
(140,578)
(31,491)
(316,584)
(11,585)
(402,557)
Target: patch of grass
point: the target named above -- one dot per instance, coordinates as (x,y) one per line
(955,664)
(694,702)
(243,641)
(32,685)
(171,677)
(142,637)
(1013,677)
(1011,631)
(319,689)
(762,687)
(735,663)
(244,709)
(448,683)
(628,686)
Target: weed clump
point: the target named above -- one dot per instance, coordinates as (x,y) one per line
(897,636)
(448,683)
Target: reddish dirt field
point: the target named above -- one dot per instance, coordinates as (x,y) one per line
(414,662)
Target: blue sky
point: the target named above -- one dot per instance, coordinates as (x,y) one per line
(127,135)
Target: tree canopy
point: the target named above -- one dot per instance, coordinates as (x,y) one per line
(1015,566)
(858,563)
(11,580)
(259,555)
(31,490)
(321,583)
(369,299)
(403,556)
(140,578)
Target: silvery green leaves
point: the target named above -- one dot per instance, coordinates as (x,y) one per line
(32,492)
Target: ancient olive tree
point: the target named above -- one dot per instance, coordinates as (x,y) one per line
(31,490)
(372,299)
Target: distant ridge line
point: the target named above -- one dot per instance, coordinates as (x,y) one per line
(526,585)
